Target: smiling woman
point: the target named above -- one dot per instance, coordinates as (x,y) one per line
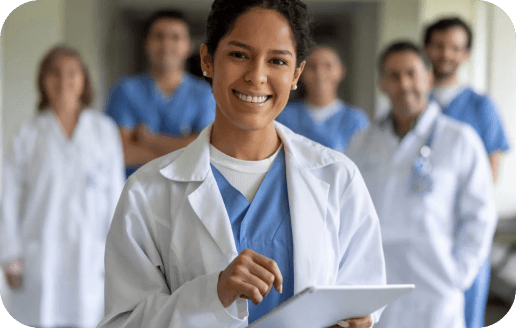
(202,236)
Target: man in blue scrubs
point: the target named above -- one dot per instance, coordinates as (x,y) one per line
(447,45)
(161,110)
(322,116)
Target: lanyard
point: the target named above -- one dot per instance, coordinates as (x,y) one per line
(421,181)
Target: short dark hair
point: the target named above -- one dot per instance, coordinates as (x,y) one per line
(399,46)
(168,13)
(445,24)
(46,65)
(224,13)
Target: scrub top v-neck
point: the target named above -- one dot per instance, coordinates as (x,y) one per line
(263,226)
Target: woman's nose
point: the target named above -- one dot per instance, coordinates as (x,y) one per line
(256,73)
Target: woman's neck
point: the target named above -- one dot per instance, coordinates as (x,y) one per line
(169,80)
(68,118)
(322,98)
(245,145)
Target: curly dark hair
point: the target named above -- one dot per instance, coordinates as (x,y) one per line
(224,13)
(445,24)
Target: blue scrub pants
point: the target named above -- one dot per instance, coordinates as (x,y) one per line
(476,298)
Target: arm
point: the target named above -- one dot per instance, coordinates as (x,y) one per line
(492,134)
(494,161)
(160,144)
(12,189)
(137,292)
(134,153)
(362,261)
(475,211)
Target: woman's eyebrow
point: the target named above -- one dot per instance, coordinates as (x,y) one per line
(245,46)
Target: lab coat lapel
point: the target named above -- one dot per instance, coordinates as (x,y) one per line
(193,166)
(207,203)
(418,134)
(308,201)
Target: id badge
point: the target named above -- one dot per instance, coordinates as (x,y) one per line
(421,181)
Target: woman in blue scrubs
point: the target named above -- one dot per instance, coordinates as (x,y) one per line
(223,231)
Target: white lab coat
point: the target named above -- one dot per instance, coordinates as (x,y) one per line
(171,235)
(438,241)
(58,200)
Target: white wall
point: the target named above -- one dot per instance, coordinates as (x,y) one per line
(28,32)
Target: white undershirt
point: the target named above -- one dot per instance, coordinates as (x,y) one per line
(244,176)
(321,114)
(444,96)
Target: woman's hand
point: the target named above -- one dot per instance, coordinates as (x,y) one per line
(250,275)
(363,322)
(14,273)
(142,134)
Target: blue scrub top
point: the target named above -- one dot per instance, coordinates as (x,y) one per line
(263,226)
(138,100)
(334,132)
(480,113)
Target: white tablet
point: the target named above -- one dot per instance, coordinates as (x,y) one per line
(323,306)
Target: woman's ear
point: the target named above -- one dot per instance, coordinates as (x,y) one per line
(206,61)
(297,73)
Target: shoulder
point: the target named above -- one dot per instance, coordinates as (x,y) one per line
(153,188)
(99,121)
(481,104)
(295,104)
(459,134)
(197,85)
(315,157)
(356,113)
(35,130)
(101,128)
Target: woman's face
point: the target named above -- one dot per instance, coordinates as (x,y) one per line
(253,69)
(64,82)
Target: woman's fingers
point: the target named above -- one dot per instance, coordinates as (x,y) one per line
(250,275)
(246,290)
(271,266)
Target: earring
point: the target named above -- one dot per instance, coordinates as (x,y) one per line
(204,73)
(295,87)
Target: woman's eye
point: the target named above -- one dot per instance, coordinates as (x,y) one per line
(277,61)
(237,55)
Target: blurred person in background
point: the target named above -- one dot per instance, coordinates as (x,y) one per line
(61,182)
(430,182)
(447,46)
(322,116)
(161,110)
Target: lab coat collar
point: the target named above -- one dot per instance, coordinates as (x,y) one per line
(427,119)
(299,148)
(424,122)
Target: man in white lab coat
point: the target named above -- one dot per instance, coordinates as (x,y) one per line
(430,182)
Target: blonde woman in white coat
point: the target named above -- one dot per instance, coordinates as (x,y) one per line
(220,232)
(61,181)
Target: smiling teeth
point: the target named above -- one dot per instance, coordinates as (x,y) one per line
(246,98)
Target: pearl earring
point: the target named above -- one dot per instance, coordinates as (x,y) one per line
(295,87)
(204,73)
